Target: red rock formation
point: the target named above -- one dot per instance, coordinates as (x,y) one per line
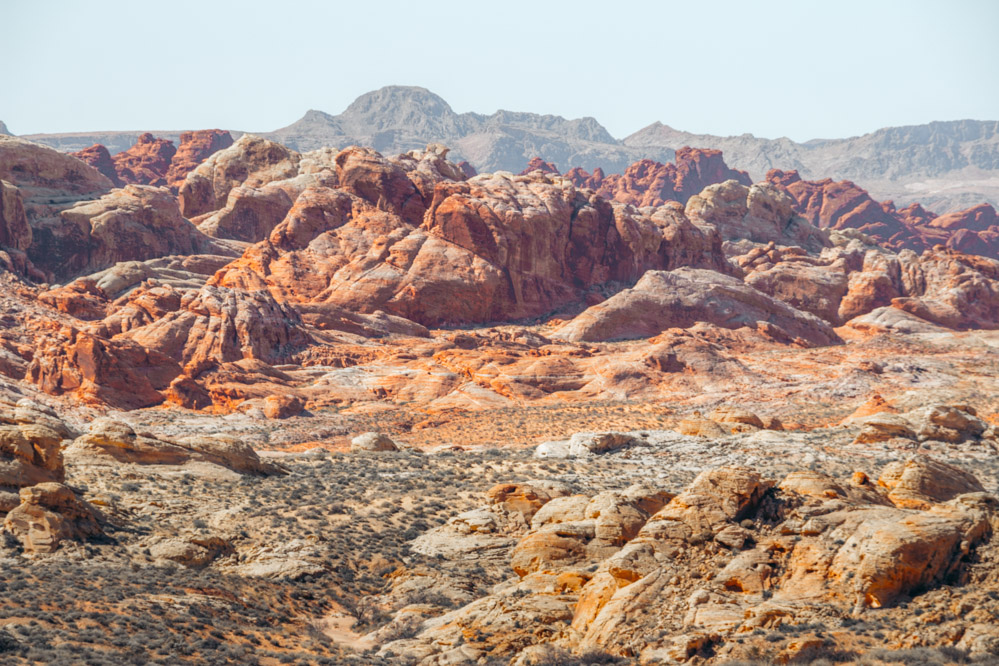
(650,183)
(195,147)
(538,164)
(145,163)
(136,222)
(98,157)
(844,205)
(467,169)
(225,325)
(681,298)
(841,205)
(580,178)
(114,372)
(250,161)
(982,217)
(81,298)
(488,249)
(14,230)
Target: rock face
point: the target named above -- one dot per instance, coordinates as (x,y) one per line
(39,170)
(449,251)
(145,163)
(844,205)
(30,447)
(131,224)
(195,147)
(98,157)
(650,183)
(15,233)
(251,161)
(683,297)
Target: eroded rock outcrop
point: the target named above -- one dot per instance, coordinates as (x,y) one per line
(650,183)
(50,513)
(135,223)
(101,371)
(760,213)
(490,248)
(98,157)
(845,205)
(30,442)
(195,147)
(250,161)
(732,553)
(145,163)
(683,297)
(110,442)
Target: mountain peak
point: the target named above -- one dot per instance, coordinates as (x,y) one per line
(392,99)
(4,130)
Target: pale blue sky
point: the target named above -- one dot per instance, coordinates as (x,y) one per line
(798,69)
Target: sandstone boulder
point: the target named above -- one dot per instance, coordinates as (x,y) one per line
(49,514)
(282,406)
(920,482)
(736,417)
(373,442)
(29,452)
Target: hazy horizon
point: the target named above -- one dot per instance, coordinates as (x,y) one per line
(780,71)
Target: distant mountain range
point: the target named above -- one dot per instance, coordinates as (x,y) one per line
(945,165)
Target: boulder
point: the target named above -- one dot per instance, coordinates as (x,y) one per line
(736,417)
(29,452)
(283,406)
(584,444)
(374,442)
(49,513)
(920,481)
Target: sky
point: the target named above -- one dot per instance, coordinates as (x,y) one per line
(802,69)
